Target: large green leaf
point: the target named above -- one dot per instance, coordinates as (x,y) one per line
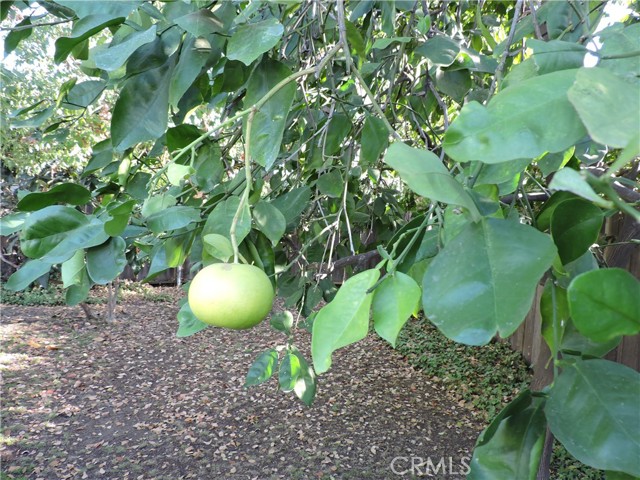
(426,175)
(394,301)
(12,223)
(305,387)
(289,372)
(270,221)
(27,274)
(484,280)
(201,23)
(440,50)
(331,184)
(253,39)
(84,94)
(293,203)
(270,120)
(83,29)
(221,218)
(262,368)
(172,218)
(13,38)
(71,270)
(141,111)
(188,324)
(575,225)
(510,447)
(343,321)
(605,304)
(593,410)
(105,262)
(569,180)
(523,121)
(607,105)
(193,56)
(218,246)
(54,233)
(114,8)
(116,55)
(619,47)
(375,138)
(69,193)
(554,55)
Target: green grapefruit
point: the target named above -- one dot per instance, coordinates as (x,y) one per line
(231,295)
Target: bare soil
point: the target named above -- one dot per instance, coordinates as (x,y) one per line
(129,400)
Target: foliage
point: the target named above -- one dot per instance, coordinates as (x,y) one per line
(489,104)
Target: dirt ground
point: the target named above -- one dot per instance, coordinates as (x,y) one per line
(129,400)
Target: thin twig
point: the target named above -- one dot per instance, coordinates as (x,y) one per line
(503,59)
(342,28)
(34,25)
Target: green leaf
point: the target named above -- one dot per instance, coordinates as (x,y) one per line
(114,8)
(208,166)
(218,246)
(69,193)
(83,29)
(382,43)
(54,233)
(425,174)
(305,387)
(141,111)
(605,304)
(543,221)
(221,217)
(343,321)
(27,274)
(339,127)
(270,221)
(550,301)
(177,173)
(484,280)
(72,269)
(553,55)
(120,214)
(84,94)
(282,321)
(117,54)
(374,140)
(593,411)
(293,203)
(331,184)
(394,301)
(201,23)
(78,292)
(105,262)
(157,204)
(12,223)
(498,173)
(262,368)
(253,39)
(523,121)
(193,56)
(188,323)
(440,50)
(13,38)
(510,447)
(289,372)
(551,162)
(607,105)
(619,47)
(172,218)
(575,225)
(270,120)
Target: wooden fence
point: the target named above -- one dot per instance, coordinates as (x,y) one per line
(528,338)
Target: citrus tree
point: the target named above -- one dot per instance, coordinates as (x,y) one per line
(447,157)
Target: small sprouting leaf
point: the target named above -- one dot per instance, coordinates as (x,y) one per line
(262,368)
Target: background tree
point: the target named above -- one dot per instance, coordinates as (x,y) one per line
(260,132)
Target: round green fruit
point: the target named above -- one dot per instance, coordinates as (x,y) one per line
(231,295)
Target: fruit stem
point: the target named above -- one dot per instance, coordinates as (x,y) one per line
(244,199)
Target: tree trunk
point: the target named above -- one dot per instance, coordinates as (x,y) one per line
(112,301)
